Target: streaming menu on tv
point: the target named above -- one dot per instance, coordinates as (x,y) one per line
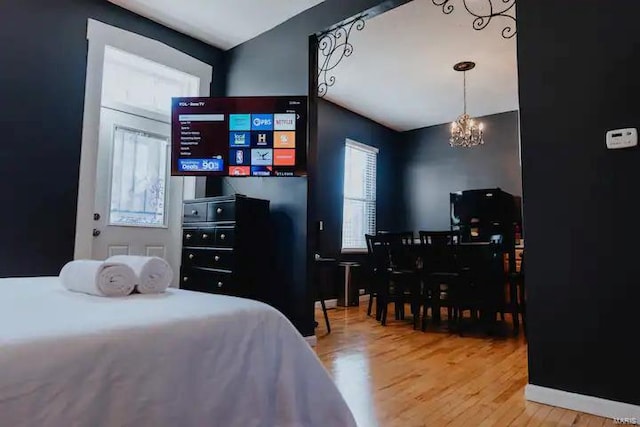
(256,136)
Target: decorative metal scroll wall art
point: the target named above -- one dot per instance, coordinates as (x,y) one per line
(483,15)
(333,47)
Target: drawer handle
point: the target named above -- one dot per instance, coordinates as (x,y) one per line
(216,258)
(189,236)
(222,237)
(205,236)
(191,256)
(220,284)
(219,210)
(185,279)
(194,213)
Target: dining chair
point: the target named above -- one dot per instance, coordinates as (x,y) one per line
(378,268)
(407,237)
(480,290)
(435,237)
(392,284)
(405,276)
(325,272)
(439,273)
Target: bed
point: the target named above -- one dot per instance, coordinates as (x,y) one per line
(176,359)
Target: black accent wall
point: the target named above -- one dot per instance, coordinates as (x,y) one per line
(277,63)
(43,57)
(335,125)
(578,78)
(433,169)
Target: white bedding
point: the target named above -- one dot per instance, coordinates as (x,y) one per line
(180,359)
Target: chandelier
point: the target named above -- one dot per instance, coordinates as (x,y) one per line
(465,131)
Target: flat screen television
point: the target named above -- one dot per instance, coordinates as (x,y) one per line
(239,136)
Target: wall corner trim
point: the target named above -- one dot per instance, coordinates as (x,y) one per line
(580,402)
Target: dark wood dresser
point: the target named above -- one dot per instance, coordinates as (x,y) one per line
(226,246)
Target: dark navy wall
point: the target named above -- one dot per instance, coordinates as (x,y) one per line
(43,61)
(335,124)
(277,63)
(579,78)
(433,169)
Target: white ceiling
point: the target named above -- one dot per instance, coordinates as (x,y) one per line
(221,23)
(400,73)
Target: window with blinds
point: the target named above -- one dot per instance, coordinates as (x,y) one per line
(359,208)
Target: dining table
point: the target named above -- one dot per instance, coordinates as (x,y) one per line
(472,261)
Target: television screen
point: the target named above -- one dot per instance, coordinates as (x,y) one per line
(239,136)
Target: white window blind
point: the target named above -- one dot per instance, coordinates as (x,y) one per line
(359,208)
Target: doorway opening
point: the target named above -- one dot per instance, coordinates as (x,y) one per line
(435,261)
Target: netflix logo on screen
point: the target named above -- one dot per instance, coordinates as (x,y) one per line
(284,122)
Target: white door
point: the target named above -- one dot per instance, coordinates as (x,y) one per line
(137,203)
(125,194)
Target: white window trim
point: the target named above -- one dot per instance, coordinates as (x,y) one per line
(369,149)
(100,35)
(361,146)
(354,251)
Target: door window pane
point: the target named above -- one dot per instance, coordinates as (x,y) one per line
(138,82)
(138,179)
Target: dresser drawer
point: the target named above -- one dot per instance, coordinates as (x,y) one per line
(190,237)
(189,279)
(206,236)
(213,282)
(218,283)
(198,237)
(194,212)
(189,257)
(218,259)
(209,258)
(221,211)
(225,237)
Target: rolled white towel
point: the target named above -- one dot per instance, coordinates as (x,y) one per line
(154,274)
(105,279)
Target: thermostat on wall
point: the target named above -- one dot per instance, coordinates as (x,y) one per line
(622,138)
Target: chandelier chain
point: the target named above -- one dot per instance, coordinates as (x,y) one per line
(464,79)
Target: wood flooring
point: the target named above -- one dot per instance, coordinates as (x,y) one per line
(395,376)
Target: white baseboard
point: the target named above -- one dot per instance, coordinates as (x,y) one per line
(581,403)
(329,303)
(333,303)
(311,340)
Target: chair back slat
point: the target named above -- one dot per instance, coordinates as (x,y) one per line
(438,238)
